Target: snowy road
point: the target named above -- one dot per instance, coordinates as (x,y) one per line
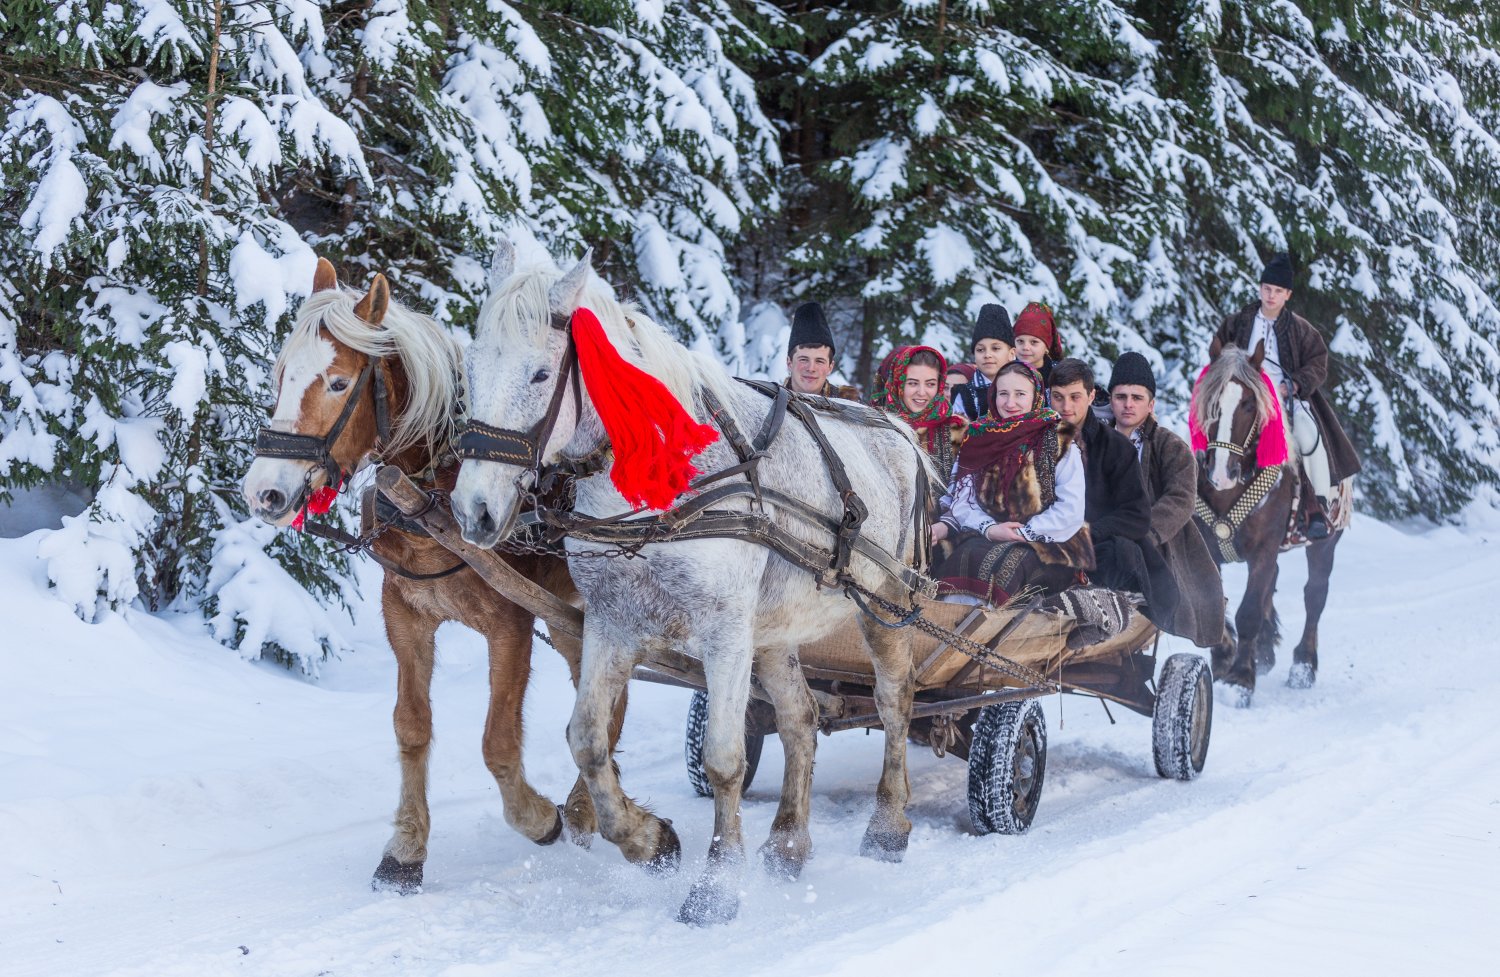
(169,810)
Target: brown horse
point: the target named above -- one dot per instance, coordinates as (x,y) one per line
(368,380)
(1245,511)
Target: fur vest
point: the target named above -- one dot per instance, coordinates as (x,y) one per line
(1033,489)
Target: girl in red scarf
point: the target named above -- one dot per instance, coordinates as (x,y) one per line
(1016,517)
(914,389)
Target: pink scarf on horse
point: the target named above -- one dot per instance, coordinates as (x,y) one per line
(1272,449)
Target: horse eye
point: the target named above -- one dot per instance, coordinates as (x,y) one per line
(339,384)
(539,376)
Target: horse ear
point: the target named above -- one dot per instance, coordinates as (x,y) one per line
(377,300)
(503,263)
(1215,348)
(325,277)
(565,294)
(1259,356)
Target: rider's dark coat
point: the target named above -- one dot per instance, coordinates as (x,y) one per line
(1304,359)
(1171,477)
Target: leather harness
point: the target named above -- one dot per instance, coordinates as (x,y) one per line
(696,517)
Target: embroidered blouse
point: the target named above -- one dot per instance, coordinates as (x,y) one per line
(1054,524)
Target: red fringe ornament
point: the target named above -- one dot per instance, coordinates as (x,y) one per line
(318,503)
(653,437)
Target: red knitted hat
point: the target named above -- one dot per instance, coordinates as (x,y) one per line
(1036,321)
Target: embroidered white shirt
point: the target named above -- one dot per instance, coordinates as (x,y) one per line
(1054,524)
(1263,329)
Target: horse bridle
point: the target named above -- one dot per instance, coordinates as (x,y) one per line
(291,446)
(484,442)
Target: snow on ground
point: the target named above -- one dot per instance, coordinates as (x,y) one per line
(171,810)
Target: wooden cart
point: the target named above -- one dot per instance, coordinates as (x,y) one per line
(979,674)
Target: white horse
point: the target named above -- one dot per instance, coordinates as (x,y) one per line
(726,602)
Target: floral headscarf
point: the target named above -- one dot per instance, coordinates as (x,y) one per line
(1005,441)
(934,419)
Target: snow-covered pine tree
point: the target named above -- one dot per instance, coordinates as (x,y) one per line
(626,126)
(969,152)
(142,278)
(1362,137)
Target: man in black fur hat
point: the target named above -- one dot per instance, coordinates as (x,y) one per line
(810,354)
(1171,477)
(1297,362)
(1116,506)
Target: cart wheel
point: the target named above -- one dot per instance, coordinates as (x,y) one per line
(1182,718)
(697,729)
(1007,761)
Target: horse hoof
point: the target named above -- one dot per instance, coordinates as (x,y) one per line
(1264,663)
(392,876)
(555,832)
(709,903)
(1302,676)
(1237,695)
(783,858)
(668,857)
(883,846)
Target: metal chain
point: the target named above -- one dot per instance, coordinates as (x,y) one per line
(983,654)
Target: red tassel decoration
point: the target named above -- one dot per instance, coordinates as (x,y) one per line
(318,503)
(653,437)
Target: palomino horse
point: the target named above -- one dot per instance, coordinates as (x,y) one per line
(346,366)
(1246,496)
(728,602)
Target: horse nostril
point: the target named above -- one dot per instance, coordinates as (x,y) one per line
(483,521)
(272,500)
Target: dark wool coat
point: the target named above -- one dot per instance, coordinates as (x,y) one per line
(1172,486)
(1304,359)
(1119,513)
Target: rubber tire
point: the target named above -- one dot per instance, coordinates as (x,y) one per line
(1183,717)
(697,729)
(1008,754)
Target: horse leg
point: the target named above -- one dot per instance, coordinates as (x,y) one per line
(508,630)
(790,844)
(1249,620)
(1315,596)
(724,648)
(642,837)
(412,638)
(1269,635)
(578,811)
(889,828)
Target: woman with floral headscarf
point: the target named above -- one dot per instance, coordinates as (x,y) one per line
(1015,523)
(914,389)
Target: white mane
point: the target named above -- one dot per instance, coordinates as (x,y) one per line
(518,313)
(429,355)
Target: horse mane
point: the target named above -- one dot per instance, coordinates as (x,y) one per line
(1232,365)
(429,355)
(518,313)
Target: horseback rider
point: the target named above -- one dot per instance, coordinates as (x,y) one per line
(1296,359)
(810,354)
(1171,479)
(1118,509)
(992,345)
